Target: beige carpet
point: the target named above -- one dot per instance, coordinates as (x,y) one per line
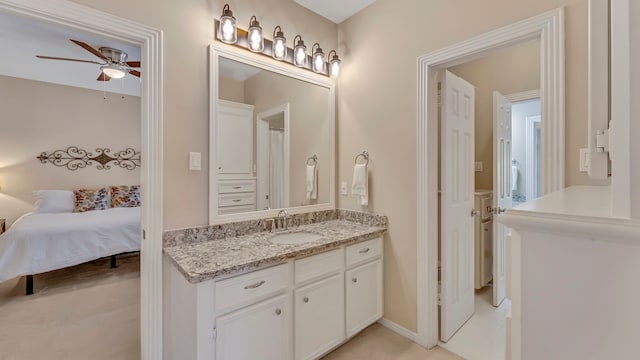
(87,311)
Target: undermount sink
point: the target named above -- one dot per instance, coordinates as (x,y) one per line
(294,238)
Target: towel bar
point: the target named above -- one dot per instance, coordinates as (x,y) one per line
(365,155)
(314,158)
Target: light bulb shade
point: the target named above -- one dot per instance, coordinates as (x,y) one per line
(113,71)
(299,53)
(227,30)
(317,60)
(279,51)
(334,62)
(254,36)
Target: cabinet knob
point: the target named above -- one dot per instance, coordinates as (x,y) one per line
(364,251)
(219,167)
(355,280)
(278,311)
(305,299)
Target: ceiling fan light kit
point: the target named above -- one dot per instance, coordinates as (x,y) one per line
(114,65)
(252,40)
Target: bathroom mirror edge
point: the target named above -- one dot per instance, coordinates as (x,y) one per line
(230,52)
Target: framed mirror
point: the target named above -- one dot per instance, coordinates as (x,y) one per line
(272,137)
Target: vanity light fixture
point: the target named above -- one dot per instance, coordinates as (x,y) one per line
(227,30)
(279,44)
(254,36)
(299,52)
(317,59)
(334,63)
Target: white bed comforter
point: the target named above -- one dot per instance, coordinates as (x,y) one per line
(38,243)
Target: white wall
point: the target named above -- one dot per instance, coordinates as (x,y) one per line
(42,117)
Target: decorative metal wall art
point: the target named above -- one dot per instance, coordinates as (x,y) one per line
(74,158)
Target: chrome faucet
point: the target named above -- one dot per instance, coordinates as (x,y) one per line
(282,214)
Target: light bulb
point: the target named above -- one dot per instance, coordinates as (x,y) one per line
(255,38)
(335,69)
(300,56)
(227,30)
(318,63)
(279,49)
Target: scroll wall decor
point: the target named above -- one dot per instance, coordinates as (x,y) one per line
(74,158)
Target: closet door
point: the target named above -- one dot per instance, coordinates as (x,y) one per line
(234,139)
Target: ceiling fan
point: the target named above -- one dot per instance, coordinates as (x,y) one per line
(115,64)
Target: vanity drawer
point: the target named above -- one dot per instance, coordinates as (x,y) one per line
(236,199)
(236,186)
(364,251)
(317,266)
(236,209)
(248,288)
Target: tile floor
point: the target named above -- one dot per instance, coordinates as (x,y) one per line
(379,343)
(483,337)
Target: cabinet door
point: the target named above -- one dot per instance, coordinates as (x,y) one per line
(261,331)
(364,296)
(319,317)
(234,140)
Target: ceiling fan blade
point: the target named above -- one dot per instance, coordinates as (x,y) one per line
(67,59)
(103,77)
(90,49)
(134,73)
(135,64)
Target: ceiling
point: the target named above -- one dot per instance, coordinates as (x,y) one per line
(21,39)
(335,10)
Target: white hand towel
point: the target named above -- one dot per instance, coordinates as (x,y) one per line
(360,184)
(312,182)
(514,177)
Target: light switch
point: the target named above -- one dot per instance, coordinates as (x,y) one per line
(478,166)
(195,161)
(343,188)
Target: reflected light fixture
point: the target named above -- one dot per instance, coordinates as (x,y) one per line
(317,59)
(256,40)
(113,71)
(279,44)
(227,28)
(299,52)
(334,63)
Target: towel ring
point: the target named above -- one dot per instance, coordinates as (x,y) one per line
(313,158)
(365,155)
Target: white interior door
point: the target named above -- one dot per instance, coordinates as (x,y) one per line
(501,189)
(457,185)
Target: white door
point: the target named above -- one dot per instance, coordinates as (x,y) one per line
(457,185)
(501,189)
(261,331)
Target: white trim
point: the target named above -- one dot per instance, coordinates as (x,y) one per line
(531,183)
(523,96)
(549,28)
(230,52)
(400,330)
(263,156)
(83,18)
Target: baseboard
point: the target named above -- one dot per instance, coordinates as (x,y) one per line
(400,330)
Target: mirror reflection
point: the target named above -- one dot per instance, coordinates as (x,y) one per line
(272,140)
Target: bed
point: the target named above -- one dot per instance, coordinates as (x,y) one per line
(41,242)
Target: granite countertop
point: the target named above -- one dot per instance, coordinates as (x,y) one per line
(236,255)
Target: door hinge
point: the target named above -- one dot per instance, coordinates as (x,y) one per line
(144,235)
(439,294)
(603,140)
(215,333)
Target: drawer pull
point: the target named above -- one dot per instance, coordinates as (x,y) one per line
(236,200)
(237,187)
(278,311)
(305,299)
(355,280)
(258,284)
(364,251)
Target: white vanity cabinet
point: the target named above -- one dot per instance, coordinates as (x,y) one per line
(298,310)
(234,140)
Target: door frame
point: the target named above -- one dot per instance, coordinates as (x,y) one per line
(86,19)
(262,161)
(549,28)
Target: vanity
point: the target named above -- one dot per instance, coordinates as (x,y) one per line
(291,294)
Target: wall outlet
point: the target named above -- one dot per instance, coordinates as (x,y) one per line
(195,161)
(343,188)
(585,160)
(478,166)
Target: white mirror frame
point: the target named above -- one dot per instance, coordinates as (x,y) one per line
(217,50)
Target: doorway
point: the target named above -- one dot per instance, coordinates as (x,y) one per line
(547,28)
(272,143)
(96,22)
